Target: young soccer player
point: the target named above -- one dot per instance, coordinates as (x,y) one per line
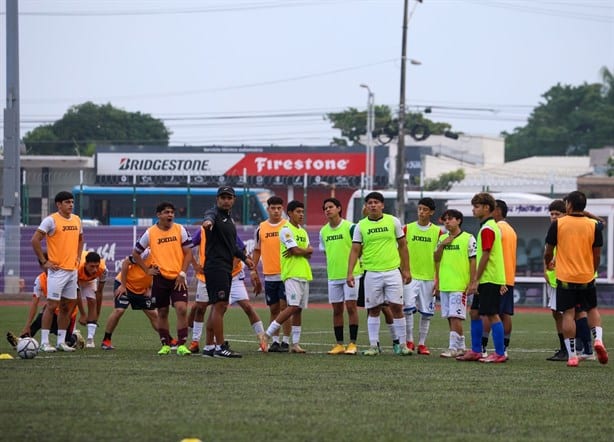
(455,268)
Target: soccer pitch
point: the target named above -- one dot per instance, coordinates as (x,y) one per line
(131,393)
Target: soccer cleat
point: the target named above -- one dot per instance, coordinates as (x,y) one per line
(469,356)
(13,340)
(174,343)
(297,349)
(405,351)
(209,353)
(338,349)
(182,350)
(79,339)
(90,343)
(225,352)
(449,353)
(602,353)
(396,349)
(351,349)
(263,342)
(494,358)
(275,348)
(194,347)
(587,356)
(165,350)
(573,361)
(64,347)
(285,347)
(106,345)
(559,355)
(423,350)
(371,351)
(47,348)
(410,345)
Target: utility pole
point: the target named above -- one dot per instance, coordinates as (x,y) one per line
(11,206)
(400,166)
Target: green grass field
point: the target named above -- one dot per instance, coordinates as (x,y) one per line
(133,394)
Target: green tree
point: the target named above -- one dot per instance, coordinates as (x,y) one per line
(572,120)
(85,125)
(445,181)
(353,124)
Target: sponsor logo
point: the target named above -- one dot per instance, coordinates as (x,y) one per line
(271,235)
(334,237)
(377,230)
(167,239)
(128,164)
(65,228)
(421,238)
(451,247)
(264,164)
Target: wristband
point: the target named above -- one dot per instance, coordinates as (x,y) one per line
(182,274)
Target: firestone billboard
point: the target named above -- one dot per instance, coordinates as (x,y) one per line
(236,165)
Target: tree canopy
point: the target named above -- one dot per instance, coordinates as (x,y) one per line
(85,125)
(572,120)
(353,124)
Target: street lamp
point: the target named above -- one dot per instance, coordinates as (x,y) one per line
(400,166)
(369,157)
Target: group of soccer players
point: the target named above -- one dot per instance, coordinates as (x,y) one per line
(389,268)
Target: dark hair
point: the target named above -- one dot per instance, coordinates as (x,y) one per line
(164,205)
(293,205)
(558,205)
(453,213)
(484,198)
(274,201)
(92,257)
(335,201)
(374,196)
(502,206)
(63,196)
(577,200)
(428,202)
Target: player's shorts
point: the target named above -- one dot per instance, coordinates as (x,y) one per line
(340,291)
(135,300)
(579,296)
(418,295)
(489,295)
(297,292)
(238,291)
(383,287)
(551,294)
(201,292)
(165,293)
(506,303)
(88,289)
(218,286)
(274,291)
(453,305)
(61,284)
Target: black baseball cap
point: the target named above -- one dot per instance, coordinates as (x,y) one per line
(226,190)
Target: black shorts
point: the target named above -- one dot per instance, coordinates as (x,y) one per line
(274,291)
(506,304)
(576,296)
(218,286)
(490,299)
(164,292)
(137,301)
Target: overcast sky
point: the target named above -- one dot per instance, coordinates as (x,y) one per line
(281,65)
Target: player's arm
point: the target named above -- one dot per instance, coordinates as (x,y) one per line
(404,255)
(123,277)
(355,252)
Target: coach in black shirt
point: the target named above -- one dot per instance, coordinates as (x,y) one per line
(220,251)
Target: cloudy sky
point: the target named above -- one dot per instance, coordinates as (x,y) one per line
(267,71)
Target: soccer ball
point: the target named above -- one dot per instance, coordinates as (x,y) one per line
(27,348)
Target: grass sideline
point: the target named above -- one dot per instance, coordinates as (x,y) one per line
(133,394)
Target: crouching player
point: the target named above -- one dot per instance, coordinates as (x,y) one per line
(132,288)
